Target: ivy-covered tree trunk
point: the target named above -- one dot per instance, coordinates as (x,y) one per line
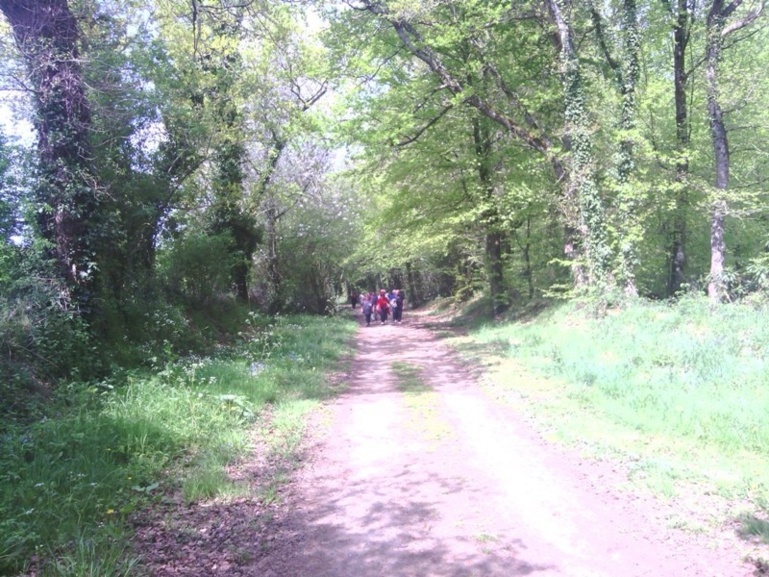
(632,51)
(627,203)
(47,36)
(581,183)
(223,63)
(626,71)
(229,215)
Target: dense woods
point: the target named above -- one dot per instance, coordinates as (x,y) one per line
(185,155)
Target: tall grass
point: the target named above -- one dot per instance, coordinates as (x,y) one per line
(688,374)
(69,483)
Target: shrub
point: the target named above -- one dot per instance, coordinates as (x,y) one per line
(198,267)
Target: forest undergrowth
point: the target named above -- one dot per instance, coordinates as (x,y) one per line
(678,392)
(70,483)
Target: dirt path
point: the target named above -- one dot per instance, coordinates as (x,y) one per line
(448,482)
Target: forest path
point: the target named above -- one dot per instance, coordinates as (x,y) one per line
(442,480)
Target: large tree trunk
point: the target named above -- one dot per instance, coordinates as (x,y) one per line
(229,215)
(592,217)
(229,159)
(46,34)
(572,237)
(626,69)
(716,284)
(717,29)
(272,216)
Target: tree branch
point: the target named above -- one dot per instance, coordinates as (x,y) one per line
(408,35)
(749,18)
(513,97)
(598,27)
(422,130)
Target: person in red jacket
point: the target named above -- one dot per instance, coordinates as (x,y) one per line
(383,306)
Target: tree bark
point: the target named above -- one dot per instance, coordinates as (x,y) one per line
(46,34)
(414,293)
(626,72)
(274,277)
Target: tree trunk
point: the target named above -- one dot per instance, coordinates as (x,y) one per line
(274,278)
(716,284)
(273,268)
(680,80)
(46,34)
(414,294)
(572,246)
(493,234)
(223,66)
(527,272)
(626,71)
(495,271)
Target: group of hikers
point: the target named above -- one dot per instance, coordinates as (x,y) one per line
(380,306)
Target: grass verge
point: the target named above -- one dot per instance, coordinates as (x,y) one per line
(69,483)
(679,393)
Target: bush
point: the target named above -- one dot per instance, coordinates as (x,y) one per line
(41,336)
(198,267)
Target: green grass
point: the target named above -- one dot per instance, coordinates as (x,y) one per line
(408,378)
(69,483)
(679,392)
(422,402)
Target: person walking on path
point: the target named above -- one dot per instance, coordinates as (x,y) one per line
(367,305)
(383,306)
(374,308)
(398,308)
